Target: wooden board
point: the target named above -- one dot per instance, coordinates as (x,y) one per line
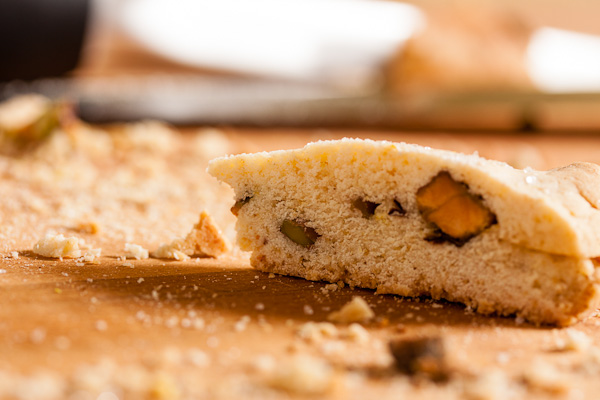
(207,328)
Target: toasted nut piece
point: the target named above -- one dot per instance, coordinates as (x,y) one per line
(299,233)
(29,118)
(367,208)
(235,209)
(421,356)
(448,205)
(397,209)
(438,191)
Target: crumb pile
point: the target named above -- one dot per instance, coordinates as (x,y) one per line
(141,183)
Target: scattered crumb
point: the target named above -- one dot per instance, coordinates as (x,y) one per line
(492,385)
(101,325)
(264,363)
(38,335)
(57,246)
(242,324)
(205,240)
(356,310)
(308,310)
(173,250)
(198,358)
(574,341)
(128,264)
(271,275)
(357,333)
(2,271)
(302,375)
(316,331)
(135,251)
(91,255)
(14,254)
(259,306)
(545,377)
(332,287)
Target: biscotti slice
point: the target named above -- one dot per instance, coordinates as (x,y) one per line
(414,221)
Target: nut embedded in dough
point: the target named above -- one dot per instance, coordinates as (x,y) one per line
(448,205)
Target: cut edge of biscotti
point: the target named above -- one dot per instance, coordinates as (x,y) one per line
(456,202)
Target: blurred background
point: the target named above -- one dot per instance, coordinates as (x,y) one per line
(455,65)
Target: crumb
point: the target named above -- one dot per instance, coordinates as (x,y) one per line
(38,335)
(574,341)
(545,377)
(242,324)
(91,255)
(271,275)
(356,310)
(57,246)
(173,250)
(264,363)
(302,375)
(308,310)
(357,333)
(332,287)
(259,306)
(101,325)
(317,331)
(198,358)
(135,251)
(204,240)
(128,264)
(2,271)
(502,358)
(212,342)
(492,385)
(14,254)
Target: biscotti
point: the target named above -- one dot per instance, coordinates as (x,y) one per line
(413,221)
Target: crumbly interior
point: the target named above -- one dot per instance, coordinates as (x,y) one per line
(509,268)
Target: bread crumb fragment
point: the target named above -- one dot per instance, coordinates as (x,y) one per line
(544,377)
(172,251)
(356,310)
(357,333)
(317,331)
(303,375)
(57,246)
(492,385)
(14,254)
(205,240)
(135,251)
(91,255)
(331,287)
(574,341)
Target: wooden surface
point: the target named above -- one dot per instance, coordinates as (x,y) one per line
(208,328)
